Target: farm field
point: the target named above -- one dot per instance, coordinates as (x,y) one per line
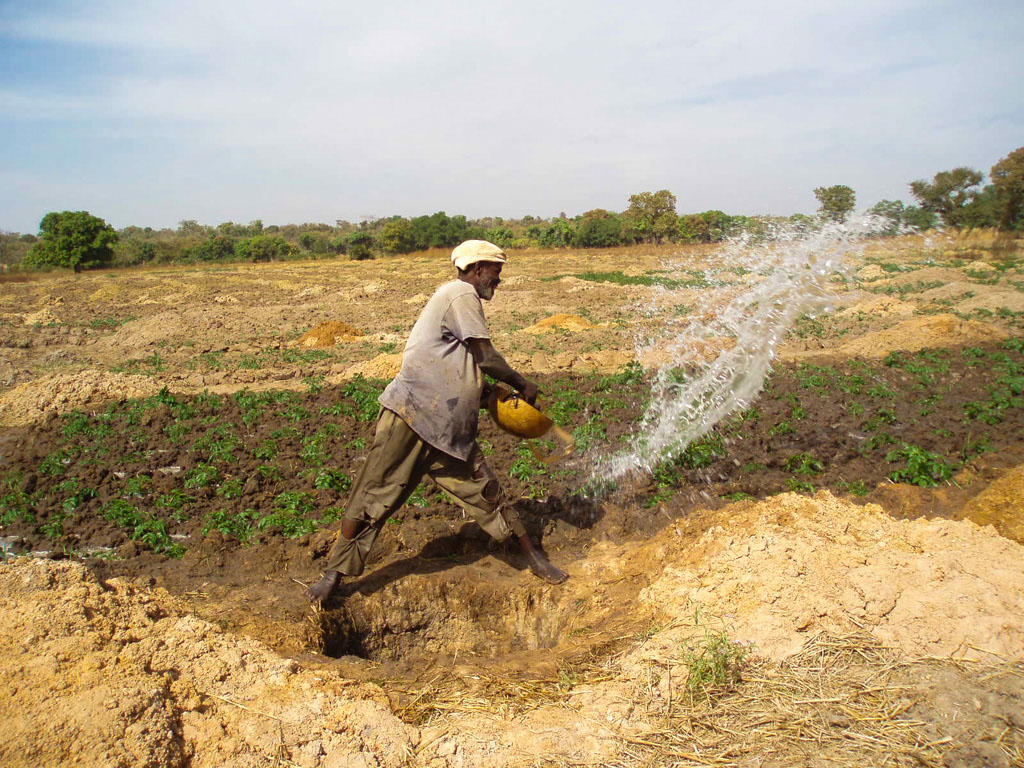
(834,575)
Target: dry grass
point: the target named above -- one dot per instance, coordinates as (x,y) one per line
(842,701)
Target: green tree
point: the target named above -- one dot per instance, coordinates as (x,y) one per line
(918,218)
(598,229)
(836,202)
(216,248)
(192,228)
(948,193)
(263,248)
(707,227)
(502,237)
(74,239)
(890,213)
(982,210)
(396,236)
(558,234)
(1008,181)
(651,216)
(360,246)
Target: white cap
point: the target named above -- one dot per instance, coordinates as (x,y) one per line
(473,251)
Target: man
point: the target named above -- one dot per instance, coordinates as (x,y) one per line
(428,423)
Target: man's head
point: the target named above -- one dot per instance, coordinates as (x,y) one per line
(479,263)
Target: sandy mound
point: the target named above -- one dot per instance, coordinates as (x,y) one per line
(514,280)
(881,306)
(952,290)
(1000,505)
(605,361)
(979,266)
(671,354)
(922,332)
(328,334)
(121,678)
(44,316)
(384,366)
(791,566)
(871,272)
(993,300)
(926,275)
(560,321)
(29,401)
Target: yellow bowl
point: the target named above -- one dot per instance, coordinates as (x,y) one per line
(516,416)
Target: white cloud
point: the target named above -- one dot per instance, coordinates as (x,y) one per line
(507,108)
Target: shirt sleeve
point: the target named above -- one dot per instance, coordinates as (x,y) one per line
(465,318)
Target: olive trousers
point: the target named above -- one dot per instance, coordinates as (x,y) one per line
(395,465)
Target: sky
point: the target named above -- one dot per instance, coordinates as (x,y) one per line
(149,113)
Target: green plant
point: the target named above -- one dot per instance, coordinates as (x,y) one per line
(782,428)
(920,466)
(202,476)
(702,452)
(803,464)
(799,486)
(525,466)
(713,661)
(177,431)
(75,495)
(231,489)
(238,525)
(142,527)
(363,393)
(153,533)
(15,504)
(269,472)
(174,501)
(291,514)
(137,487)
(55,463)
(855,487)
(314,449)
(332,479)
(296,413)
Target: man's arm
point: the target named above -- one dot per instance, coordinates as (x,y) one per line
(494,365)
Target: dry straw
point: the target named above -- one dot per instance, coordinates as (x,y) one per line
(845,700)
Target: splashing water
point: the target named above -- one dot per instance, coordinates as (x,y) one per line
(745,306)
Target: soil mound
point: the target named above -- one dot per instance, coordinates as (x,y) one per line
(560,321)
(28,402)
(952,290)
(881,306)
(385,366)
(979,266)
(922,332)
(44,316)
(1001,505)
(993,300)
(793,566)
(128,680)
(328,334)
(926,275)
(871,272)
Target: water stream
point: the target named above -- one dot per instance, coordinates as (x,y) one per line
(713,360)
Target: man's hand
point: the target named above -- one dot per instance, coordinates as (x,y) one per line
(529,391)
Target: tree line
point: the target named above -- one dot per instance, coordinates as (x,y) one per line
(78,240)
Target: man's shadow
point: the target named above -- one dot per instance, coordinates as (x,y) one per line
(471,544)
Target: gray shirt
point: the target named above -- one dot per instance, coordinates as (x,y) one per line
(437,392)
